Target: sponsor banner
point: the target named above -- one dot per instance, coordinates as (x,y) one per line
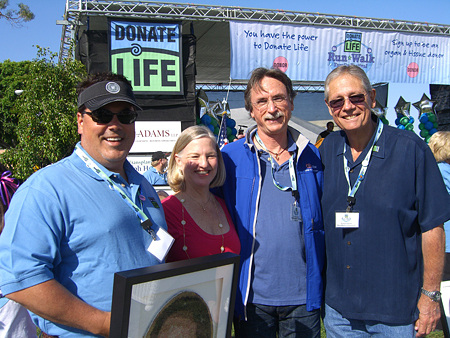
(307,53)
(148,54)
(154,136)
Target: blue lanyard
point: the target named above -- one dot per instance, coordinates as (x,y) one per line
(292,175)
(146,223)
(362,173)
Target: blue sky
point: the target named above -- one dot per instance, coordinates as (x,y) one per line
(17,43)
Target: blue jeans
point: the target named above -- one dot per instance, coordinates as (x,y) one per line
(338,326)
(289,321)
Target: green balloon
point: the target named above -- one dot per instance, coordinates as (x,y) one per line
(214,122)
(229,131)
(431,117)
(435,125)
(409,127)
(424,133)
(216,130)
(404,120)
(231,138)
(421,126)
(427,139)
(198,120)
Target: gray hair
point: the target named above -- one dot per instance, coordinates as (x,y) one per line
(350,70)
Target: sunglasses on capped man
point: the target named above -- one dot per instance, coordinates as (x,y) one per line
(355,99)
(104,116)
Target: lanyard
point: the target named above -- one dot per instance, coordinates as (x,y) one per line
(146,223)
(364,165)
(291,171)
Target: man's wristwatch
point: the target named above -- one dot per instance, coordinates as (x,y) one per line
(435,296)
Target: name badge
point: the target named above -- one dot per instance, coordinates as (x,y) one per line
(160,246)
(295,213)
(347,219)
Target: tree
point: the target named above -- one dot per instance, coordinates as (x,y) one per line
(15,17)
(44,115)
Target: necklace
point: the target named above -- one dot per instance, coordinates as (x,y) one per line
(277,155)
(203,206)
(183,223)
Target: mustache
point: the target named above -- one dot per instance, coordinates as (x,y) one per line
(275,116)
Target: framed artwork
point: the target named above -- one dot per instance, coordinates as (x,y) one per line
(190,298)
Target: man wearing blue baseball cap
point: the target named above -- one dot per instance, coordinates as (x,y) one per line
(73,224)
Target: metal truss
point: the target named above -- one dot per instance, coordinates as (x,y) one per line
(239,87)
(77,11)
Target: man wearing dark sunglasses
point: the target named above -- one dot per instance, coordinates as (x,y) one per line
(77,222)
(384,206)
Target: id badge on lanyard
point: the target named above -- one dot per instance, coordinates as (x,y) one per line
(350,218)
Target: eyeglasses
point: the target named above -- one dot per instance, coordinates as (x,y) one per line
(264,103)
(355,99)
(105,116)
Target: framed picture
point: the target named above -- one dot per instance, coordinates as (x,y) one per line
(190,298)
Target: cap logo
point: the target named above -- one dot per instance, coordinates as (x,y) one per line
(112,87)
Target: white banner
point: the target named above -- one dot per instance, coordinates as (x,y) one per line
(308,54)
(154,136)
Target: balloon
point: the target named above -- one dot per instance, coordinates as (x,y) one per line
(401,126)
(421,126)
(404,120)
(228,131)
(216,130)
(231,138)
(231,123)
(431,117)
(432,131)
(214,122)
(206,119)
(198,120)
(435,125)
(411,119)
(211,127)
(233,131)
(423,118)
(429,125)
(427,139)
(409,127)
(424,133)
(397,121)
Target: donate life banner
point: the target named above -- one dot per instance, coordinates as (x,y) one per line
(148,54)
(308,54)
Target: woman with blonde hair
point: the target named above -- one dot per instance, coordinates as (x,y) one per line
(440,146)
(198,220)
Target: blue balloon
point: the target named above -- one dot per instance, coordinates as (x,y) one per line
(429,125)
(206,119)
(432,131)
(231,123)
(397,121)
(423,118)
(211,127)
(411,119)
(401,126)
(233,131)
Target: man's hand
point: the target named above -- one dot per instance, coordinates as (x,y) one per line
(428,317)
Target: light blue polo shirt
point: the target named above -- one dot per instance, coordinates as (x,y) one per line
(66,223)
